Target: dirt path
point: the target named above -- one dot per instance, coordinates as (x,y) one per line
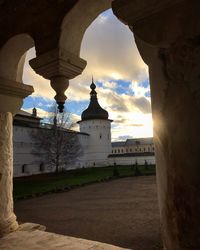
(123,212)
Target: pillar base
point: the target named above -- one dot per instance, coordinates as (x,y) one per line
(9,225)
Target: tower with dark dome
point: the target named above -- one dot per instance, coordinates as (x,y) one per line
(95,122)
(94,110)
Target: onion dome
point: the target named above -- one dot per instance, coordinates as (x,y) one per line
(94,110)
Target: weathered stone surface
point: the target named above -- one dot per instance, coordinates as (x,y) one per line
(174,76)
(7,218)
(168,40)
(31,227)
(39,240)
(157,22)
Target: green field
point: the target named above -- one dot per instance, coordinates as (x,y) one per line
(39,184)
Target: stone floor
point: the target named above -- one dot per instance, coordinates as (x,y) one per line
(35,239)
(122,212)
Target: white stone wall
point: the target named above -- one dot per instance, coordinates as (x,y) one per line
(25,162)
(80,162)
(131,160)
(99,142)
(96,145)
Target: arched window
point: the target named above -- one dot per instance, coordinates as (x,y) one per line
(100,136)
(122,151)
(130,149)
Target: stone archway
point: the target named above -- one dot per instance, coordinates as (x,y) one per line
(12,56)
(167,35)
(12,92)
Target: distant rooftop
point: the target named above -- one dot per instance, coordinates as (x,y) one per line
(136,141)
(23,118)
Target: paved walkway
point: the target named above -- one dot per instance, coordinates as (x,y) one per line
(122,212)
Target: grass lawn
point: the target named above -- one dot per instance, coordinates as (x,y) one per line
(44,183)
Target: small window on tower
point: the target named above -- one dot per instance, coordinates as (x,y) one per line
(100,136)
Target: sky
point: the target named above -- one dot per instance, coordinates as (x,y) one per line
(120,75)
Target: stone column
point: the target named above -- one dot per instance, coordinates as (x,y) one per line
(11,96)
(175,82)
(167,36)
(8,221)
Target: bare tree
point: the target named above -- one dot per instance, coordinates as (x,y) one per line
(56,141)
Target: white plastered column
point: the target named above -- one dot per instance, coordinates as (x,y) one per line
(11,98)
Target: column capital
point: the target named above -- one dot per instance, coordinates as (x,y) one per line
(13,88)
(159,23)
(12,94)
(58,62)
(135,11)
(58,66)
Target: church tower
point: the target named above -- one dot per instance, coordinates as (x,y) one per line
(95,122)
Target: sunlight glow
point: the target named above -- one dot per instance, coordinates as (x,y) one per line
(115,76)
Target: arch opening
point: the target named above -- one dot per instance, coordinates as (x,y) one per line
(12,56)
(118,91)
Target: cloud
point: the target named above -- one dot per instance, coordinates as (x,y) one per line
(110,51)
(137,125)
(142,104)
(122,77)
(109,85)
(139,88)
